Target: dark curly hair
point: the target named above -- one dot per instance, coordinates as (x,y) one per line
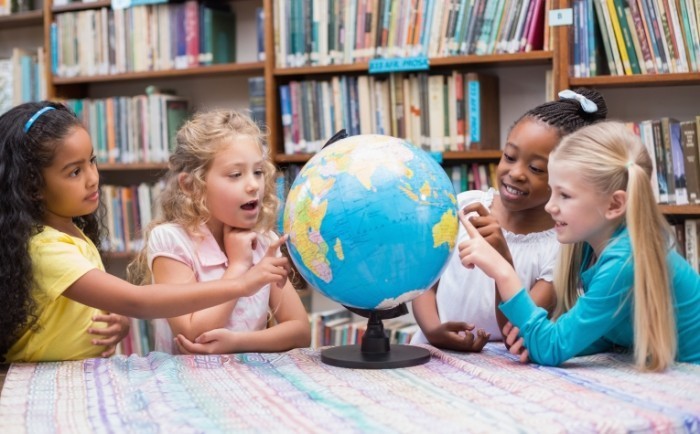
(23,156)
(566,115)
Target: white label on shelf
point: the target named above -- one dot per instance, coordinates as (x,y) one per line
(561,17)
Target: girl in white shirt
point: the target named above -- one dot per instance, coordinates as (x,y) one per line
(457,314)
(217,213)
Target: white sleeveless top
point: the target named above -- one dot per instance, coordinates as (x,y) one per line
(469,294)
(208,261)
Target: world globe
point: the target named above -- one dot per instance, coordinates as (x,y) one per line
(372,221)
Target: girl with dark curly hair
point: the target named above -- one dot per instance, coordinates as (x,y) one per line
(52,281)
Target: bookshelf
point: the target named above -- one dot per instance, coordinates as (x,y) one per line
(637,97)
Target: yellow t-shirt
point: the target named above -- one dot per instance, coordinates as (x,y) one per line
(58,260)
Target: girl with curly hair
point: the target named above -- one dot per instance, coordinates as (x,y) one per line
(52,280)
(217,212)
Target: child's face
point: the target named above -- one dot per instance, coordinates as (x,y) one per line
(236,184)
(71,181)
(578,212)
(522,171)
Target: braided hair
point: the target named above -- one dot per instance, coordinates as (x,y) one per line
(567,115)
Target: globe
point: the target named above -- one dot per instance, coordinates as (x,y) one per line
(372,221)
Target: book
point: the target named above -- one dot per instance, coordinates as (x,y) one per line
(481,96)
(689,138)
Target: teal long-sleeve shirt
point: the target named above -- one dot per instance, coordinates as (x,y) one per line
(603,315)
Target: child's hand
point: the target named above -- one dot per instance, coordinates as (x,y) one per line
(488,227)
(271,269)
(217,341)
(514,343)
(239,245)
(477,251)
(458,336)
(117,328)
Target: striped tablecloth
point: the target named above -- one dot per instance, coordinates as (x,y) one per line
(296,392)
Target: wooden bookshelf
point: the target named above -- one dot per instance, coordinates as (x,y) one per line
(23,19)
(228,69)
(639,80)
(517,59)
(121,167)
(680,210)
(472,155)
(81,6)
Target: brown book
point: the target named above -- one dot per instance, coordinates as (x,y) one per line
(689,139)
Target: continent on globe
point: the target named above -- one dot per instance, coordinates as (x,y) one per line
(372,221)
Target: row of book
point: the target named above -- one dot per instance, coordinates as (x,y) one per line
(341,327)
(132,129)
(21,78)
(452,112)
(320,32)
(143,38)
(673,147)
(637,37)
(8,7)
(129,210)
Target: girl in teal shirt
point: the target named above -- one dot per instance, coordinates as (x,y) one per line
(620,282)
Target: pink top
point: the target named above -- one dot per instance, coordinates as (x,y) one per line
(208,262)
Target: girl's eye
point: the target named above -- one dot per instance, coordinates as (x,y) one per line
(536,169)
(93,160)
(259,172)
(235,175)
(75,172)
(508,158)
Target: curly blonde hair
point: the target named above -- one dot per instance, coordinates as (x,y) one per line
(198,142)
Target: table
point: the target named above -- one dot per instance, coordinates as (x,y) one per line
(3,373)
(295,392)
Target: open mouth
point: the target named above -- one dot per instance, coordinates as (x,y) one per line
(250,206)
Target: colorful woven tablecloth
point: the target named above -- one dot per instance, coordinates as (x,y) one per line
(296,392)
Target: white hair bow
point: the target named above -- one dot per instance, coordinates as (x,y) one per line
(586,104)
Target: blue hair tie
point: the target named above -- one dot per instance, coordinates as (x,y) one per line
(36,115)
(586,104)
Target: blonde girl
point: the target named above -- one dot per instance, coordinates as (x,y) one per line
(216,217)
(620,282)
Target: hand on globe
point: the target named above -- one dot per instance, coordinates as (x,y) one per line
(457,336)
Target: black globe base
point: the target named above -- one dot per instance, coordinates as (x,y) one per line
(375,352)
(398,356)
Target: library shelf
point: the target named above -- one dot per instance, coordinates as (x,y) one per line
(517,59)
(22,19)
(119,255)
(123,167)
(240,68)
(637,80)
(82,6)
(678,210)
(472,155)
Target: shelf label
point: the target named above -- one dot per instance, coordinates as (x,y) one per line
(399,64)
(437,156)
(561,17)
(123,4)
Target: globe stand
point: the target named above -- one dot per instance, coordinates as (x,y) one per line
(375,351)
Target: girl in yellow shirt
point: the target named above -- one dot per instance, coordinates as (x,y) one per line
(52,281)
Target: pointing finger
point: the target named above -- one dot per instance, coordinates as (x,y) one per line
(274,247)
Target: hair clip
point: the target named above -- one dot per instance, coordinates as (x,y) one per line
(36,115)
(586,104)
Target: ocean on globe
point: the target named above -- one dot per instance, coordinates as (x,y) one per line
(372,221)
